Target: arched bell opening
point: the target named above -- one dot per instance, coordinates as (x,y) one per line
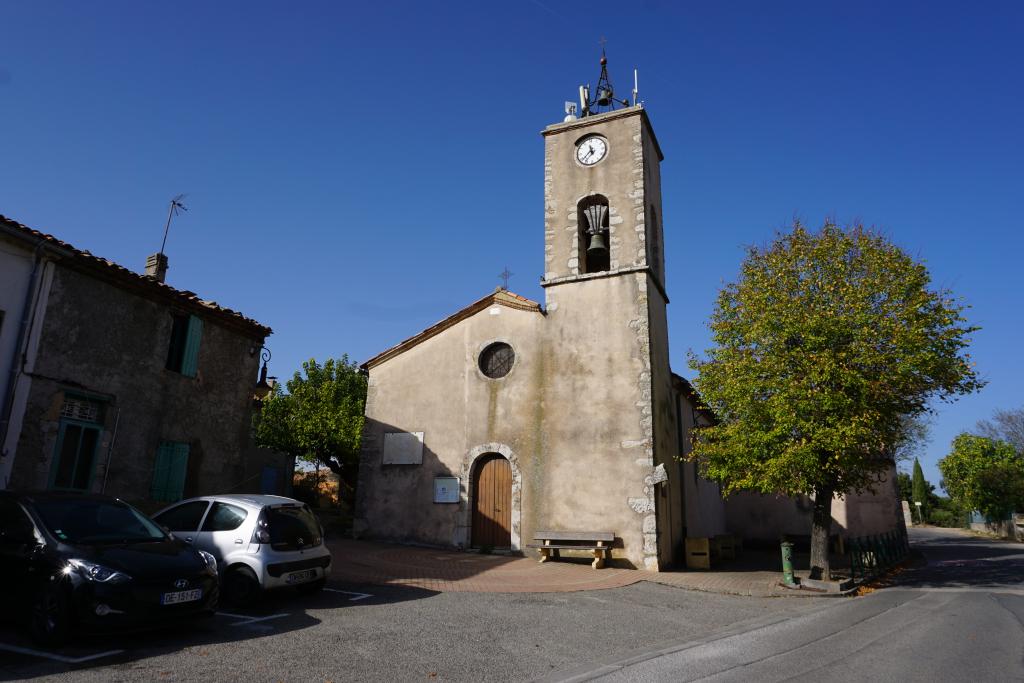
(594,244)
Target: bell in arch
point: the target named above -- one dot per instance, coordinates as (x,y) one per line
(597,245)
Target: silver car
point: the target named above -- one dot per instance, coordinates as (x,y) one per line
(260,542)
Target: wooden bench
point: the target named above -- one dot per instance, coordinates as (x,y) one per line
(551,542)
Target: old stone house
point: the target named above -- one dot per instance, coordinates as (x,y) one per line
(114,381)
(510,417)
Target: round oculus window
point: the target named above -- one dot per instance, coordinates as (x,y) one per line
(497,359)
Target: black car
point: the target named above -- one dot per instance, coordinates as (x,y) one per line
(74,562)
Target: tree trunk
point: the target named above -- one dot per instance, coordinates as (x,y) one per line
(821,527)
(346,482)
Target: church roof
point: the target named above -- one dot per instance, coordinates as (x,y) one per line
(500,296)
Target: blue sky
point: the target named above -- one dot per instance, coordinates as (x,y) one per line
(357,171)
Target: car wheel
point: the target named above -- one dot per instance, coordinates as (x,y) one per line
(50,617)
(241,587)
(311,587)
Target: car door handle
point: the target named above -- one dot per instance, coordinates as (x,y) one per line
(238,541)
(188,539)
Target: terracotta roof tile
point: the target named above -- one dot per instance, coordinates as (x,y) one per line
(120,275)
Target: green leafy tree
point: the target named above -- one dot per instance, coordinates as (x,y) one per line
(920,490)
(904,485)
(825,347)
(985,475)
(319,419)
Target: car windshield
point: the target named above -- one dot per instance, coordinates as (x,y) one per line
(97,521)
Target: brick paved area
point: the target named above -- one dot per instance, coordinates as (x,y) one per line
(445,570)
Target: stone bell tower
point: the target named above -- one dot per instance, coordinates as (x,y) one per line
(606,338)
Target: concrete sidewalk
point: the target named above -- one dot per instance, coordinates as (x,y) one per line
(450,571)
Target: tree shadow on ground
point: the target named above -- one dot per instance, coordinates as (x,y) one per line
(961,561)
(278,612)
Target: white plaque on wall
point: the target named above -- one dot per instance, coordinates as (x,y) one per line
(403,448)
(446,489)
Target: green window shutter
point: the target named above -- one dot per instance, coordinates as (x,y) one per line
(162,471)
(179,468)
(190,359)
(169,473)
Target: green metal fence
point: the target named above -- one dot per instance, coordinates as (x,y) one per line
(870,555)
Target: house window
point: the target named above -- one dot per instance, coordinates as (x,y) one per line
(80,409)
(75,457)
(78,438)
(183,352)
(169,472)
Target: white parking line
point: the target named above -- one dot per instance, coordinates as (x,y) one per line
(245,619)
(359,596)
(56,657)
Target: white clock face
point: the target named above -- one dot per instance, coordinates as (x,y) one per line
(591,150)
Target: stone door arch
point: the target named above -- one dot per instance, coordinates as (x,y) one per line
(469,472)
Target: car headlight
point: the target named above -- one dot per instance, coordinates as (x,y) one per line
(96,572)
(209,560)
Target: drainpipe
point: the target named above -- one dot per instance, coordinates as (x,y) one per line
(35,283)
(110,451)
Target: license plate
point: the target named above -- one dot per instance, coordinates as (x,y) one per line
(301,577)
(181,596)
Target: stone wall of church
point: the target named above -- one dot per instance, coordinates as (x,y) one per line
(566,183)
(668,538)
(599,439)
(437,388)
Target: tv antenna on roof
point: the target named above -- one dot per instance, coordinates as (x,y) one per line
(173,210)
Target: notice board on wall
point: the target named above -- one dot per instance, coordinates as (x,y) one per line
(446,489)
(403,448)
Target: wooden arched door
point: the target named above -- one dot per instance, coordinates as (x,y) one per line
(492,502)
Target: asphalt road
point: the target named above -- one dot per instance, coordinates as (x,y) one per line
(398,634)
(958,618)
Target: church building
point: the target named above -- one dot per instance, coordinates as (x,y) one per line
(510,417)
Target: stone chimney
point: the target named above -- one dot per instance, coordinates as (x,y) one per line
(156,267)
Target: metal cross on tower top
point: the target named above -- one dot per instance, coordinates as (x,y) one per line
(505,275)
